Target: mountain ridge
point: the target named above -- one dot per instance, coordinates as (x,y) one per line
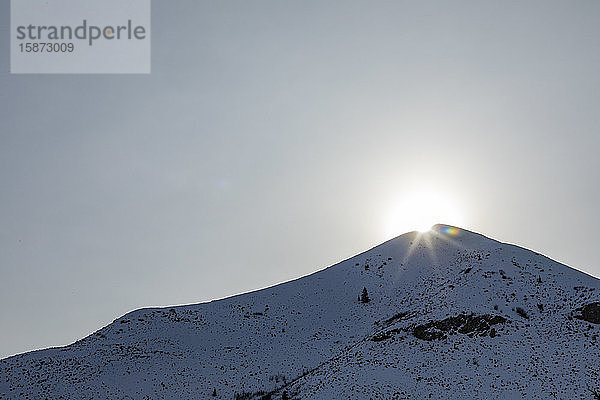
(449,295)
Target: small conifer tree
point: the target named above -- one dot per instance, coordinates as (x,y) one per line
(364,297)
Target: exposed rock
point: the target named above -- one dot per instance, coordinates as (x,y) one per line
(590,313)
(522,312)
(467,324)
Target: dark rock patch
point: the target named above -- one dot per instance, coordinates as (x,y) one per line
(466,324)
(522,313)
(590,313)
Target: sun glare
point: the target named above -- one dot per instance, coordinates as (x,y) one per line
(419,211)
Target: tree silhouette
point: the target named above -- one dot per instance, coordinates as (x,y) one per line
(364,297)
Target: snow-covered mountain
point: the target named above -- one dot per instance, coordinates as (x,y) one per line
(448,314)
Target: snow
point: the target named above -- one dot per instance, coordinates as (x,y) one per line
(313,339)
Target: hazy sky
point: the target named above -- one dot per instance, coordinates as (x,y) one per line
(274,138)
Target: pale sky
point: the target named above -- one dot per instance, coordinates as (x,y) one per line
(275,138)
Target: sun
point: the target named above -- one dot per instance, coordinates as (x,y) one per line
(420,210)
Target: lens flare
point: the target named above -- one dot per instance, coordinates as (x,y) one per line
(450,230)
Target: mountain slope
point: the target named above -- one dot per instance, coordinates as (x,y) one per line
(452,314)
